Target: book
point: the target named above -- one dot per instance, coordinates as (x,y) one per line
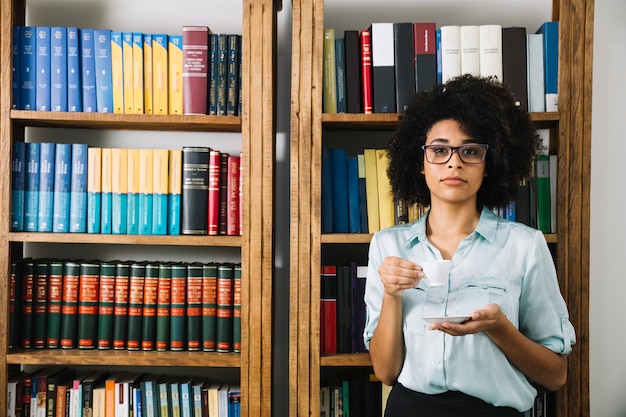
(439,55)
(31,193)
(119,190)
(89,384)
(553,192)
(164,292)
(149,397)
(111,384)
(550,32)
(404,64)
(213,206)
(491,51)
(40,300)
(15,300)
(58,68)
(213,73)
(104,69)
(234,401)
(383,68)
(74,74)
(106,197)
(47,153)
(137,275)
(329,78)
(78,188)
(106,304)
(328,314)
(535,75)
(542,176)
(120,304)
(28,64)
(150,305)
(95,172)
(160,191)
(42,66)
(339,161)
(53,304)
(450,52)
(352,52)
(354,209)
(222,399)
(344,308)
(223,197)
(359,308)
(209,306)
(26,304)
(340,74)
(178,307)
(186,397)
(224,321)
(327,190)
(233,75)
(15,68)
(132,197)
(159,74)
(470,49)
(222,73)
(146,187)
(175,74)
(371,190)
(385,197)
(362,192)
(69,304)
(514,70)
(117,71)
(195,69)
(237,308)
(138,72)
(148,74)
(62,187)
(366,71)
(425,55)
(88,69)
(88,295)
(128,73)
(18,183)
(194,306)
(195,180)
(175,188)
(233,212)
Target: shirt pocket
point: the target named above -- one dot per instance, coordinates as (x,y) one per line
(476,292)
(413,303)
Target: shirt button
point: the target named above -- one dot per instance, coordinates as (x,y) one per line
(485,286)
(443,300)
(438,361)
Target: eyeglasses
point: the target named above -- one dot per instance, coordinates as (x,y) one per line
(471,153)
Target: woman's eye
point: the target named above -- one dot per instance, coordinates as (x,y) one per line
(441,150)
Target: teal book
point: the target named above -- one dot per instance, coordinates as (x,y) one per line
(327,191)
(132,198)
(232,83)
(186,398)
(46,186)
(78,188)
(58,68)
(31,194)
(174,192)
(42,62)
(69,304)
(224,322)
(146,187)
(18,182)
(178,307)
(194,306)
(53,306)
(98,216)
(119,190)
(160,194)
(150,298)
(104,70)
(15,69)
(106,304)
(62,182)
(209,306)
(164,292)
(137,276)
(120,305)
(550,32)
(88,287)
(339,163)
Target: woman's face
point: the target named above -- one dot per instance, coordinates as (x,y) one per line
(454,181)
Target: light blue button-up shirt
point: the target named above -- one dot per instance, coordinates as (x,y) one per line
(501,262)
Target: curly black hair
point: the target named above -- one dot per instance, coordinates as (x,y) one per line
(487,111)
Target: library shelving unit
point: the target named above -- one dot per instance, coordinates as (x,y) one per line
(311,130)
(253,248)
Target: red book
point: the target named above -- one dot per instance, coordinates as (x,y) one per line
(150,300)
(214,192)
(328,306)
(195,69)
(424,41)
(221,223)
(69,304)
(194,306)
(233,192)
(366,71)
(88,305)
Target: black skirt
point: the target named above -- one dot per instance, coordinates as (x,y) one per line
(403,402)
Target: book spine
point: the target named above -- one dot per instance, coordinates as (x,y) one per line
(15,301)
(550,32)
(119,190)
(146,187)
(69,304)
(232,82)
(195,180)
(40,299)
(138,72)
(214,192)
(164,292)
(106,197)
(28,286)
(371,190)
(233,225)
(425,39)
(209,306)
(117,72)
(88,70)
(224,321)
(327,191)
(329,78)
(175,74)
(31,195)
(344,308)
(132,211)
(195,69)
(159,74)
(46,187)
(404,60)
(89,284)
(58,68)
(237,308)
(148,75)
(514,70)
(103,66)
(385,196)
(95,182)
(106,304)
(127,60)
(535,75)
(194,306)
(450,52)
(150,299)
(175,188)
(490,51)
(354,211)
(339,161)
(120,305)
(223,198)
(383,68)
(213,73)
(135,305)
(160,191)
(366,71)
(470,49)
(28,64)
(15,68)
(340,74)
(353,71)
(178,307)
(18,182)
(78,188)
(329,309)
(542,169)
(53,307)
(222,73)
(362,192)
(42,66)
(62,187)
(74,75)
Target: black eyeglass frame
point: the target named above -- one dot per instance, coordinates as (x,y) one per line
(455,148)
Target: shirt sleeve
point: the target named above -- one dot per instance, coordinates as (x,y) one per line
(374,290)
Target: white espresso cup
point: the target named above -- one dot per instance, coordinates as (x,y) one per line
(436,272)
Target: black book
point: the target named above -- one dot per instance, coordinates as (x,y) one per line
(404,60)
(352,47)
(383,77)
(514,68)
(195,199)
(344,308)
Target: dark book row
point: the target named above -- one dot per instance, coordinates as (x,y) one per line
(128,305)
(65,392)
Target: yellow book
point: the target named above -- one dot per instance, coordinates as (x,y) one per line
(330,73)
(117,72)
(132,214)
(146,188)
(138,72)
(175,72)
(175,187)
(371,190)
(127,55)
(160,189)
(94,189)
(147,73)
(385,197)
(159,74)
(119,190)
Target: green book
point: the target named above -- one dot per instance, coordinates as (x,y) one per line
(69,304)
(135,305)
(106,301)
(55,291)
(163,307)
(178,306)
(194,306)
(88,286)
(150,288)
(120,305)
(329,77)
(237,308)
(542,175)
(224,325)
(40,299)
(28,275)
(209,306)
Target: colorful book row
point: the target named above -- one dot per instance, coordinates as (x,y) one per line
(379,69)
(65,392)
(125,305)
(71,69)
(75,188)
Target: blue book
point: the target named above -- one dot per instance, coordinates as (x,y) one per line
(119,190)
(46,186)
(103,65)
(339,162)
(354,211)
(58,68)
(74,83)
(197,397)
(132,211)
(15,69)
(88,70)
(340,70)
(31,195)
(149,398)
(62,173)
(160,189)
(146,163)
(327,191)
(78,189)
(438,46)
(550,32)
(18,182)
(186,399)
(213,72)
(28,72)
(222,73)
(42,66)
(232,87)
(362,193)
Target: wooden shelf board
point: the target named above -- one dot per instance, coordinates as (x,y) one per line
(346,359)
(179,240)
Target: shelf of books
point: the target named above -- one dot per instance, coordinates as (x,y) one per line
(136,246)
(352,73)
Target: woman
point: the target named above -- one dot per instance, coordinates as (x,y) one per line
(463,149)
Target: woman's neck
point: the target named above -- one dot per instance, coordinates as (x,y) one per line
(447,225)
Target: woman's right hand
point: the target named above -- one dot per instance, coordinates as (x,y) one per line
(398,275)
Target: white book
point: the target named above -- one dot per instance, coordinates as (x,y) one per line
(450,52)
(470,50)
(491,51)
(534,70)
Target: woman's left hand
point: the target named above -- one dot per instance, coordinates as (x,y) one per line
(481,320)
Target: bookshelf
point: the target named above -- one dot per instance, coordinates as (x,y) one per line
(311,130)
(254,132)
